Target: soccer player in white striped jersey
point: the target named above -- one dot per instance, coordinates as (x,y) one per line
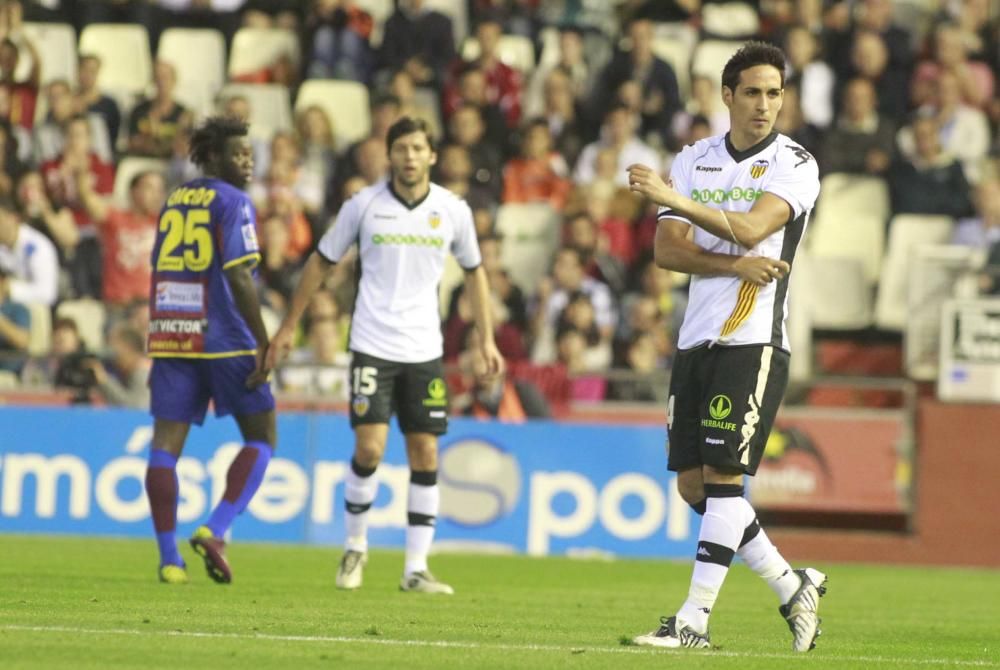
(732,215)
(404,228)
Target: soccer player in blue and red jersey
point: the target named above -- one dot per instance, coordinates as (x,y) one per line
(207,340)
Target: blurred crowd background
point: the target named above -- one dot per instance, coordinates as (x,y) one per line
(538,107)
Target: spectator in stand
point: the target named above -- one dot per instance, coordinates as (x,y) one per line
(466,128)
(454,171)
(539,174)
(319,150)
(931,181)
(221,15)
(287,14)
(385,111)
(456,330)
(66,355)
(23,94)
(320,368)
(572,61)
(563,114)
(61,178)
(36,207)
(974,21)
(870,60)
(982,230)
(639,356)
(402,86)
(50,137)
(861,141)
(814,76)
(705,102)
(500,397)
(126,236)
(15,328)
(286,167)
(90,99)
(793,123)
(503,83)
(11,165)
(126,385)
(965,131)
(473,90)
(23,144)
(155,122)
(869,16)
(275,196)
(371,161)
(337,41)
(28,258)
(501,285)
(594,246)
(975,79)
(661,97)
(618,137)
(280,265)
(418,40)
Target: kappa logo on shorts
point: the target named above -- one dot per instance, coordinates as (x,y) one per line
(718,409)
(361,405)
(437,393)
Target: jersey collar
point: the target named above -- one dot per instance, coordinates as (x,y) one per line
(403,201)
(740,156)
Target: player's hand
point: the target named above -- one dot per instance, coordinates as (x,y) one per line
(489,364)
(644,181)
(281,345)
(760,270)
(261,372)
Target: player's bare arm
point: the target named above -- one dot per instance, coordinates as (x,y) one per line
(313,275)
(477,286)
(674,250)
(241,283)
(747,229)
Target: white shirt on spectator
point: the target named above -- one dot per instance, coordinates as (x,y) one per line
(34,267)
(634,151)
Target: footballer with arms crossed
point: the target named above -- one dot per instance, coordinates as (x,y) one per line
(207,340)
(732,215)
(404,228)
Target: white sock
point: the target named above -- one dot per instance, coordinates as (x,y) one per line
(422,505)
(360,488)
(763,558)
(726,515)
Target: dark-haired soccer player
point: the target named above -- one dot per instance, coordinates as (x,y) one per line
(207,340)
(404,228)
(748,194)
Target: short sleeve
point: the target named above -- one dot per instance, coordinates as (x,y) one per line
(680,181)
(796,179)
(238,233)
(339,237)
(465,246)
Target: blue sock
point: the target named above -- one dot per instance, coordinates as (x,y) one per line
(161,489)
(243,479)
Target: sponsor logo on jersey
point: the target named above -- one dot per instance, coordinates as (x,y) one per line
(707,168)
(249,237)
(173,296)
(409,240)
(361,405)
(758,169)
(435,220)
(720,196)
(437,393)
(177,326)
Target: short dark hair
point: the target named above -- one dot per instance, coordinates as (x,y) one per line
(210,138)
(405,126)
(139,176)
(749,55)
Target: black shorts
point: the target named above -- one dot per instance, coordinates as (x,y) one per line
(416,392)
(722,405)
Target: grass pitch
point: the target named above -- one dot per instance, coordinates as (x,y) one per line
(86,603)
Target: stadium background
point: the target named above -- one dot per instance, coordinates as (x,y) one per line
(896,101)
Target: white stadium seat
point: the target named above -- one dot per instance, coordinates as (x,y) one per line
(255,49)
(56,44)
(126,63)
(676,51)
(129,167)
(730,19)
(839,294)
(199,57)
(530,238)
(270,107)
(345,102)
(711,56)
(40,333)
(515,51)
(850,221)
(89,315)
(907,232)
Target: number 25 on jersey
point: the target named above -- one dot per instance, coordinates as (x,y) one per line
(191,232)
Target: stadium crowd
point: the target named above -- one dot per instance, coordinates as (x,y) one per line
(903,91)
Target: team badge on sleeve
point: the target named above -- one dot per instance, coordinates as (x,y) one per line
(758,169)
(250,237)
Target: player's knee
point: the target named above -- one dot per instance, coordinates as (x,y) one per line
(368,453)
(691,490)
(422,452)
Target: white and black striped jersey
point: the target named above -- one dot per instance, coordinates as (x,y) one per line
(726,310)
(401,251)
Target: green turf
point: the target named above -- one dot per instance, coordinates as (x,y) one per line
(86,603)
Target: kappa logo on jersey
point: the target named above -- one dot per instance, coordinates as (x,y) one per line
(435,220)
(249,237)
(437,393)
(758,169)
(800,153)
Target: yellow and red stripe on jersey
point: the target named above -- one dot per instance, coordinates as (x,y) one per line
(744,308)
